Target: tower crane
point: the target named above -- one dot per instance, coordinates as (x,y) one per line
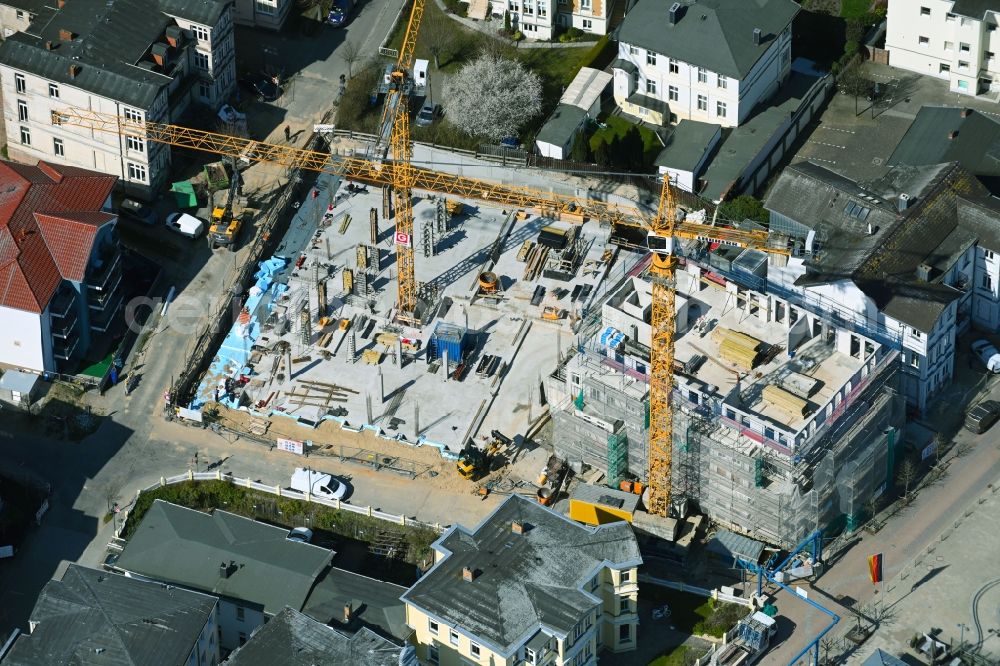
(662,229)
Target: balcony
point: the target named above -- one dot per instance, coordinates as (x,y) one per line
(102,317)
(65,327)
(63,349)
(61,306)
(99,301)
(99,278)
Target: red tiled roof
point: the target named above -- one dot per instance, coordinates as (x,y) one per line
(49,216)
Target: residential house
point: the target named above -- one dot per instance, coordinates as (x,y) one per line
(711,60)
(60,265)
(582,101)
(96,618)
(688,152)
(292,638)
(268,14)
(955,40)
(544,19)
(15,15)
(910,259)
(527,585)
(141,60)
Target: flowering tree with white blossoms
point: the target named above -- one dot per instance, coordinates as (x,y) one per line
(493,96)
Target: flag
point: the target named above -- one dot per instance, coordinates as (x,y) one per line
(875,568)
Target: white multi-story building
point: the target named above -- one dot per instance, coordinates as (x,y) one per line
(15,15)
(711,60)
(956,40)
(269,14)
(542,19)
(136,59)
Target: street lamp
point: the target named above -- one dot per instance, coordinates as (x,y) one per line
(961,636)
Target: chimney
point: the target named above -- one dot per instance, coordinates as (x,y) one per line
(517,527)
(348,613)
(467,574)
(903,202)
(952,135)
(161,53)
(675,13)
(924,273)
(224,570)
(756,36)
(66,35)
(174,34)
(73,71)
(61,3)
(966,113)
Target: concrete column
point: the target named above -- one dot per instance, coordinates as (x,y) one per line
(368,407)
(399,351)
(381,387)
(444,363)
(416,420)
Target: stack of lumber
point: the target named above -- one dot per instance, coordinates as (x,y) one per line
(786,401)
(738,348)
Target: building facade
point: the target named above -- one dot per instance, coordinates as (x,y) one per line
(565,591)
(664,73)
(61,265)
(181,52)
(544,19)
(16,15)
(267,14)
(954,40)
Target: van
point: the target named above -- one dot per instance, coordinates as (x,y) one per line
(185,225)
(132,209)
(982,416)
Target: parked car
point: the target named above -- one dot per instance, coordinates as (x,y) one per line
(982,416)
(317,483)
(263,86)
(229,115)
(300,534)
(987,355)
(185,225)
(427,113)
(340,13)
(134,210)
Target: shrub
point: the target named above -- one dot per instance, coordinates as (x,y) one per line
(518,36)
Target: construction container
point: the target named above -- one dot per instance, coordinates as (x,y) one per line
(751,262)
(784,400)
(448,337)
(597,505)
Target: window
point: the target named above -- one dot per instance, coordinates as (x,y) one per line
(453,637)
(720,109)
(943,67)
(626,575)
(53,91)
(949,46)
(915,333)
(135,144)
(723,83)
(136,172)
(624,633)
(914,360)
(923,41)
(241,614)
(949,18)
(19,84)
(475,649)
(674,67)
(132,114)
(25,135)
(585,5)
(20,15)
(433,626)
(243,638)
(266,7)
(962,64)
(988,55)
(672,93)
(987,282)
(433,654)
(702,75)
(988,254)
(963,85)
(529,655)
(200,33)
(702,103)
(624,605)
(651,58)
(57,148)
(204,90)
(632,50)
(651,86)
(963,47)
(22,110)
(925,11)
(588,24)
(201,60)
(543,9)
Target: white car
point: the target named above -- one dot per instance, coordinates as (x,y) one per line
(317,483)
(185,225)
(987,355)
(228,114)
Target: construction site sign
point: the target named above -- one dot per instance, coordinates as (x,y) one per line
(402,239)
(291,445)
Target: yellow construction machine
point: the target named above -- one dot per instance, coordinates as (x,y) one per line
(228,220)
(474,463)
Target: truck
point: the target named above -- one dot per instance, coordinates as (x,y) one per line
(227,220)
(317,483)
(753,639)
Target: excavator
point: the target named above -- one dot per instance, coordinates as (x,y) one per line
(228,220)
(474,463)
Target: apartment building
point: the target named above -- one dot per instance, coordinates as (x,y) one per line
(527,585)
(135,59)
(60,265)
(543,19)
(955,40)
(267,14)
(15,15)
(665,73)
(94,618)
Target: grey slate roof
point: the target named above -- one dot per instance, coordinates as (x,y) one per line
(732,545)
(111,39)
(726,25)
(522,581)
(981,217)
(186,547)
(626,65)
(293,639)
(375,604)
(976,145)
(880,658)
(650,103)
(975,9)
(31,6)
(129,621)
(687,145)
(883,263)
(561,125)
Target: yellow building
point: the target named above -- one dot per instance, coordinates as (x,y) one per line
(527,586)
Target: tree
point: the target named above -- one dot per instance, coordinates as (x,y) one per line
(744,207)
(907,475)
(493,97)
(581,150)
(437,35)
(351,53)
(506,21)
(599,147)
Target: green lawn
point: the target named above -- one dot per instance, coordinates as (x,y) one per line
(616,128)
(854,9)
(696,615)
(675,657)
(98,368)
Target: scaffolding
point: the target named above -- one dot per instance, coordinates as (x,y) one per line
(617,458)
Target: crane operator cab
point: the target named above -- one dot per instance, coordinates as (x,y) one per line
(662,247)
